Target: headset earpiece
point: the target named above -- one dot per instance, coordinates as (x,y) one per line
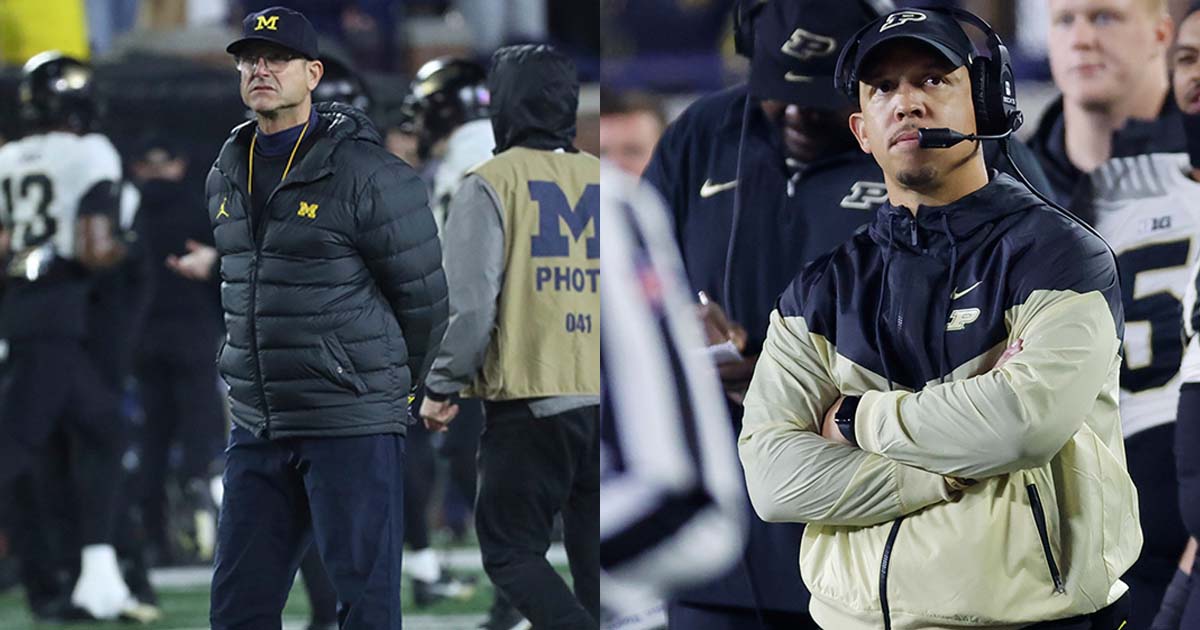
(981,99)
(743,26)
(845,77)
(992,87)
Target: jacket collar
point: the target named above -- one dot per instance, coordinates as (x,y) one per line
(1163,134)
(336,123)
(935,227)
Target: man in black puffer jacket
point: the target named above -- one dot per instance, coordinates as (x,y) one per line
(335,303)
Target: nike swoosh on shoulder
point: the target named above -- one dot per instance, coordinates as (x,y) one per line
(796,77)
(709,189)
(954,295)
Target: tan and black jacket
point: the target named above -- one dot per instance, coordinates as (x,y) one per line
(911,314)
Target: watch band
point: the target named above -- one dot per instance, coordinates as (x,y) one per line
(844,417)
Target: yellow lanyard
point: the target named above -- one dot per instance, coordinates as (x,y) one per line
(250,176)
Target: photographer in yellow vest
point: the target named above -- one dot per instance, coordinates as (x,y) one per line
(522,257)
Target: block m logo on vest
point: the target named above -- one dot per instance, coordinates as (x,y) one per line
(554,210)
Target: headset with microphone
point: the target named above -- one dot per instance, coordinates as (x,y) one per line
(993,93)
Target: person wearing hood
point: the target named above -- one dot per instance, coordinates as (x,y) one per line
(522,246)
(762,178)
(335,303)
(937,397)
(1109,60)
(1182,599)
(448,105)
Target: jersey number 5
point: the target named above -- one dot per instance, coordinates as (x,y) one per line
(1162,310)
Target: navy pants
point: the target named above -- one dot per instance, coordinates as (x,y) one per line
(50,385)
(345,495)
(183,407)
(1151,459)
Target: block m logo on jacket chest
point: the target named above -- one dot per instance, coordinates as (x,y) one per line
(307,210)
(553,205)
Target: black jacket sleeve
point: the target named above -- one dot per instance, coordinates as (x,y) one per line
(1187,442)
(397,239)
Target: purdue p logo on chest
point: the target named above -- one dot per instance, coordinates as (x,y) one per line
(960,318)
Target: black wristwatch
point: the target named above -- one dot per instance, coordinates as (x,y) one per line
(844,417)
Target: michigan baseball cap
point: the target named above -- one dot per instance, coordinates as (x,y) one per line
(280,26)
(796,46)
(938,29)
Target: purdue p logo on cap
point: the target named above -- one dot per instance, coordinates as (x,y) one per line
(804,45)
(902,17)
(267,22)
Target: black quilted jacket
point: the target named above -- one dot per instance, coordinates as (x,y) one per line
(336,305)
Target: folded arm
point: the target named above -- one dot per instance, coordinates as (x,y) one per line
(794,474)
(1012,418)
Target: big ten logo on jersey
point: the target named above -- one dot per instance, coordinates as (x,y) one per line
(554,210)
(1154,224)
(864,195)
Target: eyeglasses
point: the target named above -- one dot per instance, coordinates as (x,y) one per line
(275,61)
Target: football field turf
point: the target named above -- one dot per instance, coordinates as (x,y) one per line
(183,598)
(186,608)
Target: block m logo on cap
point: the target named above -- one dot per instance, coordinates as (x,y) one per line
(267,22)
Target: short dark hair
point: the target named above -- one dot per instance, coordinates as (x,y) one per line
(617,103)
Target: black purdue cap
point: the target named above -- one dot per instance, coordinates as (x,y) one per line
(280,26)
(796,45)
(937,29)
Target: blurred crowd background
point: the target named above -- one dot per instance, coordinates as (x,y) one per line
(652,72)
(162,69)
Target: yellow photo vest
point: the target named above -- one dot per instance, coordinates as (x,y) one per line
(547,337)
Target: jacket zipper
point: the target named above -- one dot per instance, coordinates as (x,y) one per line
(912,229)
(884,565)
(255,231)
(1039,518)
